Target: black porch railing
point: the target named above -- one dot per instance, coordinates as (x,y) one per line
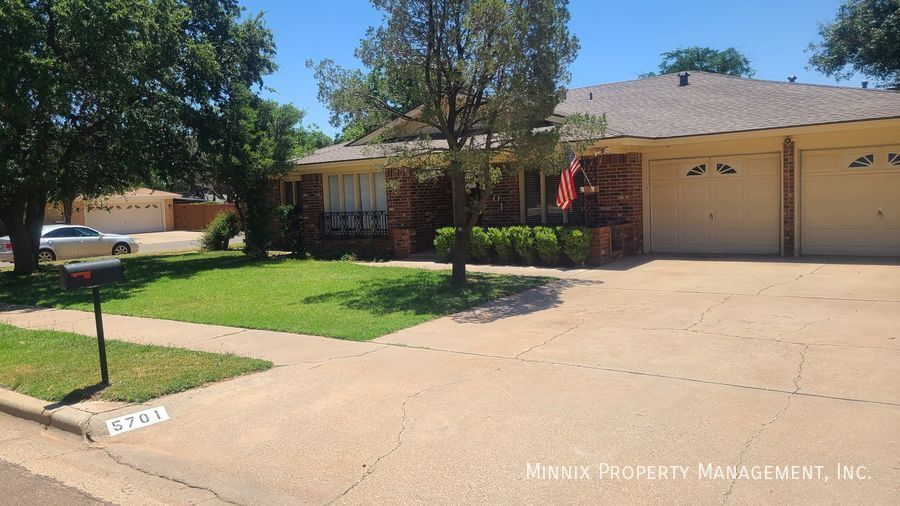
(354,224)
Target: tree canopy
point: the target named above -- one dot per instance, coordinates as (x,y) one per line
(251,144)
(100,95)
(863,38)
(728,61)
(485,77)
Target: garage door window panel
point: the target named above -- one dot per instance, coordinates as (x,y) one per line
(863,161)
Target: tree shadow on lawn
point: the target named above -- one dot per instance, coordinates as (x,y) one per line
(43,289)
(484,299)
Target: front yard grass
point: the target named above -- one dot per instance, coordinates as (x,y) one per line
(333,299)
(61,366)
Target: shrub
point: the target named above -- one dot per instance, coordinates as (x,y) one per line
(522,242)
(443,242)
(291,228)
(502,243)
(546,245)
(221,229)
(575,243)
(480,245)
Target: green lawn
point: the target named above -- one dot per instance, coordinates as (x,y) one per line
(61,366)
(334,299)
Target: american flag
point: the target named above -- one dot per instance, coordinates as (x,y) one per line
(566,192)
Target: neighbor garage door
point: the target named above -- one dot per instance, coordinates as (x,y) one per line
(850,201)
(716,205)
(127,218)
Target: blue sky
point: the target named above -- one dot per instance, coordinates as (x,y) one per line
(618,39)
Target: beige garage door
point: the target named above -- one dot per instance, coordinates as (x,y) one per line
(127,218)
(850,201)
(716,205)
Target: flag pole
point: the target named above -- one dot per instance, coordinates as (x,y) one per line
(586,178)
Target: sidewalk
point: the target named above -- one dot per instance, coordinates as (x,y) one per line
(86,418)
(282,348)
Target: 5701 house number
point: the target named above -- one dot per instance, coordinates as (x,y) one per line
(116,426)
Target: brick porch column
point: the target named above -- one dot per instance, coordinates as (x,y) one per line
(788,174)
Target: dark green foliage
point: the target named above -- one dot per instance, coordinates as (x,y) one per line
(727,61)
(501,241)
(291,222)
(97,96)
(523,243)
(546,245)
(221,229)
(443,242)
(865,38)
(575,243)
(482,74)
(480,245)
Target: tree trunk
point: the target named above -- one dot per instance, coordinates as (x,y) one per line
(460,221)
(67,205)
(24,254)
(34,220)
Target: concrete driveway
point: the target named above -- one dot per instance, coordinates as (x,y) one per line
(660,380)
(160,242)
(173,240)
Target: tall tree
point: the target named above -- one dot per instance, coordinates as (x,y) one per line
(863,38)
(100,95)
(728,61)
(251,144)
(485,74)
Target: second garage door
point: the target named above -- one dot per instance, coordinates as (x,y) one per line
(716,205)
(850,201)
(127,218)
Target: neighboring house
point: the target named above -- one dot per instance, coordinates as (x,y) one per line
(136,211)
(703,164)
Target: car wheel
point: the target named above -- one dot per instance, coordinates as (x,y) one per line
(121,249)
(46,255)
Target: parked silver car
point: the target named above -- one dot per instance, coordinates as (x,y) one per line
(60,242)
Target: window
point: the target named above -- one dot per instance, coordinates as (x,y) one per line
(356,192)
(725,169)
(894,159)
(86,232)
(288,191)
(697,170)
(60,233)
(862,162)
(540,201)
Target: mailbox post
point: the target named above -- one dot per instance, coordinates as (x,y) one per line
(93,275)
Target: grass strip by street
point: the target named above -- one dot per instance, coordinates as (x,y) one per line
(62,366)
(325,298)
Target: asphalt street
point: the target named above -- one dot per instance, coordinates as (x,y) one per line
(19,486)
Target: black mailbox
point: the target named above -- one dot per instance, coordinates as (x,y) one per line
(93,275)
(90,274)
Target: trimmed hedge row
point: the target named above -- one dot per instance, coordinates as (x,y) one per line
(520,244)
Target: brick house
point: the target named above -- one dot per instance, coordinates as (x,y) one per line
(704,163)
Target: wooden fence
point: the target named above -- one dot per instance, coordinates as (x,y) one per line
(197,216)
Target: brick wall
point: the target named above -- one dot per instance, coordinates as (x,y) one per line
(312,201)
(788,165)
(620,197)
(502,207)
(416,209)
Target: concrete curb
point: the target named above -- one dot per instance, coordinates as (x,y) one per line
(64,418)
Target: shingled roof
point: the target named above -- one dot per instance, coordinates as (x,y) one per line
(658,108)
